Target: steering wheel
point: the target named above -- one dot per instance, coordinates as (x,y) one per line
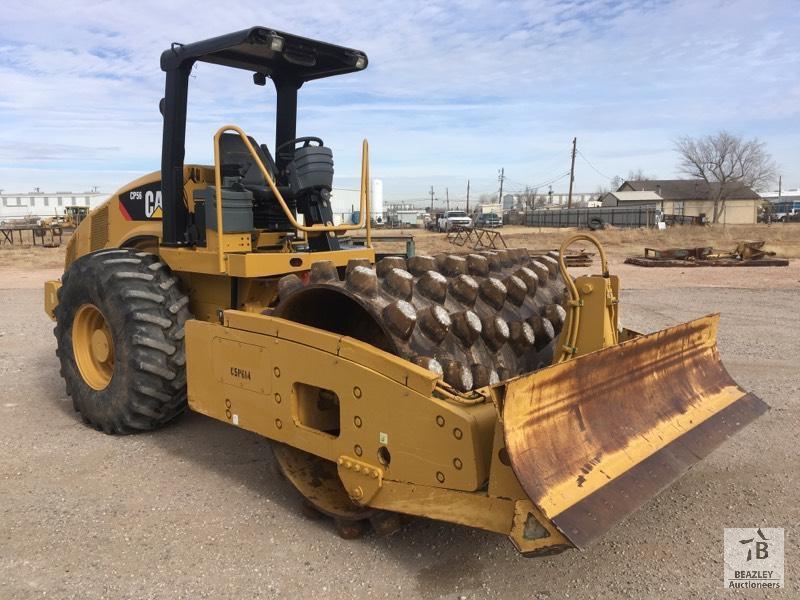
(306,142)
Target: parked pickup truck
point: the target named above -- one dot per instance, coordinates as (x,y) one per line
(453,219)
(488,220)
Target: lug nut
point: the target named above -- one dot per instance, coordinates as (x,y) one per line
(493,259)
(435,323)
(556,314)
(457,375)
(362,279)
(464,289)
(541,270)
(433,285)
(400,283)
(323,270)
(506,258)
(384,265)
(516,288)
(522,337)
(426,362)
(495,332)
(357,262)
(452,265)
(543,331)
(530,279)
(483,375)
(493,292)
(400,317)
(467,326)
(419,265)
(551,264)
(287,284)
(477,265)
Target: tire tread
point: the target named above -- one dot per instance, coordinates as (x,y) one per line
(143,295)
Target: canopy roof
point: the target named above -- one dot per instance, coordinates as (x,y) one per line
(273,53)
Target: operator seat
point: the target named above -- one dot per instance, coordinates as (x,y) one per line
(267,213)
(234,152)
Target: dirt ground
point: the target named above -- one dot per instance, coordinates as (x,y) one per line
(197,511)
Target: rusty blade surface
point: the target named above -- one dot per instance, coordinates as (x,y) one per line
(593,438)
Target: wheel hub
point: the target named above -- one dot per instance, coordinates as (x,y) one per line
(93,346)
(100,345)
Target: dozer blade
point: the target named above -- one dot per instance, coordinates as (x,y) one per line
(593,438)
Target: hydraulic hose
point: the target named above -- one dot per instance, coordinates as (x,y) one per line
(572,324)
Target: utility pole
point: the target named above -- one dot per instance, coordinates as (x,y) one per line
(447,196)
(467,196)
(431,193)
(780,188)
(572,172)
(501,175)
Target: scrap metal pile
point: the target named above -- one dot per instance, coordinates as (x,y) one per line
(745,254)
(582,258)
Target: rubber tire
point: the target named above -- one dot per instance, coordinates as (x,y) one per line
(596,223)
(146,310)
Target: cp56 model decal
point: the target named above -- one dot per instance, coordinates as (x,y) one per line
(141,203)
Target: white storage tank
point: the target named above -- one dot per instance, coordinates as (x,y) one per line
(376,198)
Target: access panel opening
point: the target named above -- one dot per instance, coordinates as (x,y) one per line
(317,408)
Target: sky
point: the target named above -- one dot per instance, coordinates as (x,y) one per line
(454,91)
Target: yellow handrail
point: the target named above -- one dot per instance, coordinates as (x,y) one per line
(365,191)
(327,227)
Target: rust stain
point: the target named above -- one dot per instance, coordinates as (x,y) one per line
(579,425)
(579,416)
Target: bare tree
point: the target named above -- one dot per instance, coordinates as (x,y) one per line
(726,162)
(615,183)
(639,175)
(528,196)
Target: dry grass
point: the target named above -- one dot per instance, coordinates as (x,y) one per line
(32,257)
(784,239)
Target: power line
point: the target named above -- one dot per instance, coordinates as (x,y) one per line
(523,186)
(515,182)
(551,181)
(596,170)
(548,168)
(552,178)
(520,187)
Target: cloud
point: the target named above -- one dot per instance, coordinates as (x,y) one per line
(454,90)
(36,153)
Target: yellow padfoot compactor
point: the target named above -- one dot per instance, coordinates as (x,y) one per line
(491,389)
